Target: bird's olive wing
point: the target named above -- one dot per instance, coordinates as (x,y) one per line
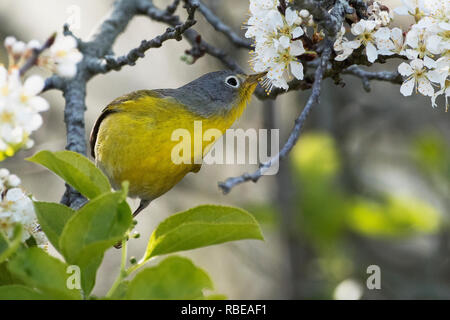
(114,107)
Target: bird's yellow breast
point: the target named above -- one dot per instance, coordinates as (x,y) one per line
(135,143)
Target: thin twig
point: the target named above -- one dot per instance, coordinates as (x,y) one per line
(220,26)
(32,60)
(366,76)
(130,59)
(295,133)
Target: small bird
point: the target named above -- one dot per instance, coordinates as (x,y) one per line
(131,139)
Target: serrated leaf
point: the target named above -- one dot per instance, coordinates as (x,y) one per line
(174,278)
(37,269)
(200,227)
(76,170)
(96,227)
(19,292)
(52,218)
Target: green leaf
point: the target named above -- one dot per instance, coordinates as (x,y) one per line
(19,292)
(76,170)
(174,278)
(4,243)
(39,270)
(393,217)
(6,278)
(200,227)
(53,217)
(96,227)
(9,247)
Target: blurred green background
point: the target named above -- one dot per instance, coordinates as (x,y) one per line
(367,184)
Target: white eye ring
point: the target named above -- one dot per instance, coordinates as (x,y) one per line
(232,81)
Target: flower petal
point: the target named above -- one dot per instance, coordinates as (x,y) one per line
(291,16)
(39,104)
(405,69)
(33,85)
(297,32)
(284,41)
(297,48)
(297,69)
(429,63)
(372,53)
(397,35)
(417,64)
(67,70)
(383,33)
(407,87)
(425,87)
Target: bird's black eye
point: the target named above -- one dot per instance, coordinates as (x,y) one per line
(232,81)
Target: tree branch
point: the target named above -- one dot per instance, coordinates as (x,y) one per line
(295,133)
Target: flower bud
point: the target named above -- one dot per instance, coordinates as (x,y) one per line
(29,144)
(135,235)
(304,13)
(9,41)
(13,180)
(4,173)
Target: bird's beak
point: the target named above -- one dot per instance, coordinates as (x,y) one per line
(254,78)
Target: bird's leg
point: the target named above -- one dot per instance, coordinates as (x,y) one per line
(142,205)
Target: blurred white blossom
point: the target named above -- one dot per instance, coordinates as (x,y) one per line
(348,289)
(16,207)
(20,103)
(64,56)
(19,110)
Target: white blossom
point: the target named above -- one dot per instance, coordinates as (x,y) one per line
(16,207)
(366,34)
(416,76)
(411,7)
(419,44)
(445,91)
(65,56)
(277,42)
(395,45)
(19,110)
(440,76)
(343,46)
